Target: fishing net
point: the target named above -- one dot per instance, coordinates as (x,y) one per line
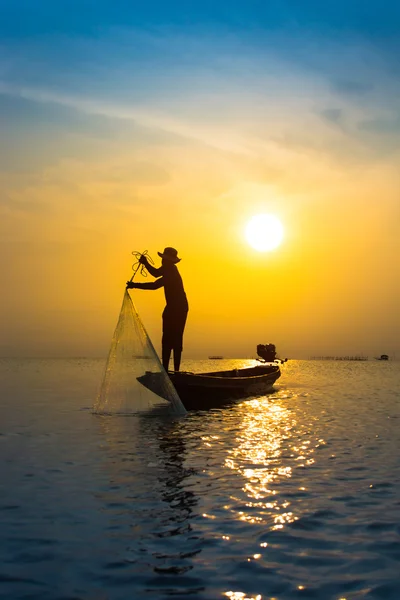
(135,380)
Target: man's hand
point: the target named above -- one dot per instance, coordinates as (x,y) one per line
(143,260)
(129,285)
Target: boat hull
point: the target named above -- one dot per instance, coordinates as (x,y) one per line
(200,391)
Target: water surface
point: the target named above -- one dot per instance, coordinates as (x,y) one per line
(291,495)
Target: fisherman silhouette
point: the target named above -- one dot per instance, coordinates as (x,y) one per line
(176,309)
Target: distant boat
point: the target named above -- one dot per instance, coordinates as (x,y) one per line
(215,357)
(382,357)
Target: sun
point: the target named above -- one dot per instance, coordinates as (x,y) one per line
(264,232)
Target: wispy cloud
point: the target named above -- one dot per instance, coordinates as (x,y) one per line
(243,109)
(230,93)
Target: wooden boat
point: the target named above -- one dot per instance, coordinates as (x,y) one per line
(200,391)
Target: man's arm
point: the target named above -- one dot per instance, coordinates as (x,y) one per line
(151,285)
(152,270)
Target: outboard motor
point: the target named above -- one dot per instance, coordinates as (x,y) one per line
(267,352)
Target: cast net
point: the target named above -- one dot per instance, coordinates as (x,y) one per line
(135,380)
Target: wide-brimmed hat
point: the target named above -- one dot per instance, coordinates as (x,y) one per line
(170,254)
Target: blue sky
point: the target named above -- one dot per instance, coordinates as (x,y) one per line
(82,17)
(78,75)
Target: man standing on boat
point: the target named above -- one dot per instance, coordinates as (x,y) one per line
(175,312)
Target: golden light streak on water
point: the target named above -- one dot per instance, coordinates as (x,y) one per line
(259,457)
(241,596)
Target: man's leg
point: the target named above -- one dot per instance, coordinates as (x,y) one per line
(178,339)
(177,358)
(166,355)
(166,345)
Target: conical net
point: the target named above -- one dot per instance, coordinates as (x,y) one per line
(135,380)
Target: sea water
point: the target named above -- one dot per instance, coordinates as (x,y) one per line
(295,494)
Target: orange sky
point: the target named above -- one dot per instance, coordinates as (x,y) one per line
(89,179)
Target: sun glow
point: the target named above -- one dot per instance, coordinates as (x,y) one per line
(264,232)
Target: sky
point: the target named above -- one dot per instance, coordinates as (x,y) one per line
(130,126)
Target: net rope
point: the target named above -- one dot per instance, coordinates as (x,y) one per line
(134,380)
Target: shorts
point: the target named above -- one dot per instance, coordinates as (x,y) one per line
(174,321)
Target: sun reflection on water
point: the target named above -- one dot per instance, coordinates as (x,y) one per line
(242,596)
(264,454)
